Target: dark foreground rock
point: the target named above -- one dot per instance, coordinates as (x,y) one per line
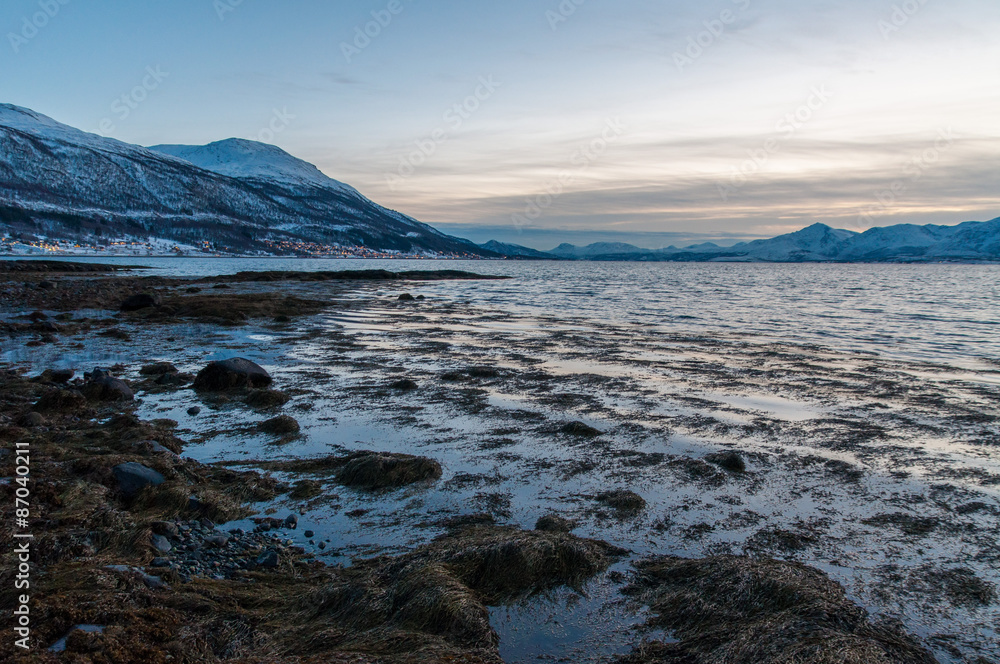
(729,460)
(140,301)
(363,470)
(133,477)
(234,373)
(282,425)
(759,611)
(438,595)
(102,385)
(622,499)
(553,523)
(580,429)
(375,470)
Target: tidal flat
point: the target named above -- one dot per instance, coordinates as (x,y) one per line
(426,478)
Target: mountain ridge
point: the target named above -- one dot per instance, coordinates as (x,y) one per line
(60,182)
(977,241)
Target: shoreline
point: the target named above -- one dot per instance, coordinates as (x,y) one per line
(464,390)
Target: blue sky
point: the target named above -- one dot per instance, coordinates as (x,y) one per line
(527,120)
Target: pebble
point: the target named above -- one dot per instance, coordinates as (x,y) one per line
(199,550)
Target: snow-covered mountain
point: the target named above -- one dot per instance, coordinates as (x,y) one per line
(970,241)
(249,160)
(61,182)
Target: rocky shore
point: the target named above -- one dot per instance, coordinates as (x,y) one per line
(133,560)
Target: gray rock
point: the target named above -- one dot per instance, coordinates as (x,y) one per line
(218,541)
(160,562)
(291,521)
(154,582)
(193,410)
(268,560)
(161,544)
(134,477)
(309,533)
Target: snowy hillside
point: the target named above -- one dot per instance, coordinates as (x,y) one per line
(57,181)
(239,158)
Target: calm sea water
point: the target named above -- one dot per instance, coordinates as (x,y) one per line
(937,313)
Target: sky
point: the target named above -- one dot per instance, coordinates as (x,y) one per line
(541,121)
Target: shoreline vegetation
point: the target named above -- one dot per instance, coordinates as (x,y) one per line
(131,537)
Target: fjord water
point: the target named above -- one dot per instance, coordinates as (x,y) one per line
(940,312)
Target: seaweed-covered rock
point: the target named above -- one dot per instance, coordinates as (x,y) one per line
(283,425)
(230,374)
(60,400)
(158,369)
(102,385)
(404,385)
(580,429)
(728,460)
(380,470)
(760,611)
(266,399)
(439,593)
(57,376)
(553,523)
(622,499)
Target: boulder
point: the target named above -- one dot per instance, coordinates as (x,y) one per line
(134,477)
(553,523)
(282,425)
(231,374)
(161,544)
(59,400)
(102,385)
(140,301)
(404,385)
(158,369)
(622,499)
(266,399)
(728,460)
(377,470)
(268,560)
(581,429)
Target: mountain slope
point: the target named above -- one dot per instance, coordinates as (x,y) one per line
(62,182)
(516,250)
(249,160)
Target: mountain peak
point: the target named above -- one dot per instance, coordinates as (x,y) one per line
(242,158)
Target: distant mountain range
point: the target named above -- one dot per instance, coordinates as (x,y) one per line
(63,183)
(969,242)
